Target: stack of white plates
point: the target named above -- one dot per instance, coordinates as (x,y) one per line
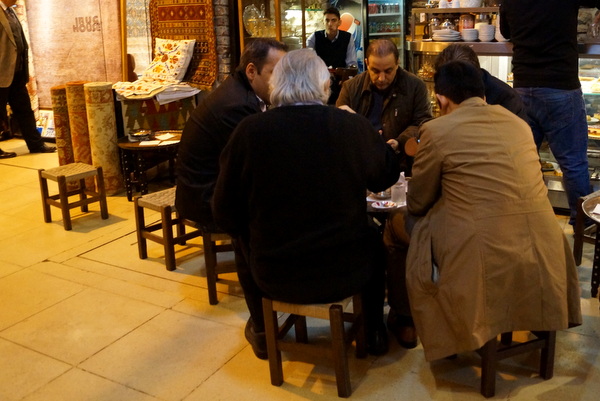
(469,35)
(446,35)
(486,32)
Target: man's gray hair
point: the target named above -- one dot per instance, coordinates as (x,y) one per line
(300,77)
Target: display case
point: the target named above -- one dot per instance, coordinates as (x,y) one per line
(385,19)
(289,21)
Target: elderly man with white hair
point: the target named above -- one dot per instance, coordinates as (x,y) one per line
(292,185)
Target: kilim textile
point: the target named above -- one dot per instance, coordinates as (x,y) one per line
(189,19)
(64,146)
(149,114)
(80,135)
(102,126)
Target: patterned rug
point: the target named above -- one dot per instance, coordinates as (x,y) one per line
(189,19)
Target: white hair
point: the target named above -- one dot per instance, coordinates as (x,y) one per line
(300,77)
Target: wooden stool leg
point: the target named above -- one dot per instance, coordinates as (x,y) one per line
(140,224)
(506,338)
(361,334)
(210,262)
(547,356)
(45,195)
(168,243)
(271,332)
(82,195)
(488,368)
(342,375)
(64,202)
(180,228)
(301,330)
(102,193)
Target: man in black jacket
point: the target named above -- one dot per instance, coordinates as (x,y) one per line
(206,133)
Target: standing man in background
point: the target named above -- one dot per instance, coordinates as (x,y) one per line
(546,75)
(14,66)
(335,47)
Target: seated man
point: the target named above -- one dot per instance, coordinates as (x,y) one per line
(395,101)
(207,131)
(335,47)
(496,91)
(487,256)
(292,186)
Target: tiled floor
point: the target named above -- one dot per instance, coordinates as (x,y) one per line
(83,318)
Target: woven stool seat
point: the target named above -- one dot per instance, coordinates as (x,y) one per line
(66,174)
(71,172)
(157,200)
(163,202)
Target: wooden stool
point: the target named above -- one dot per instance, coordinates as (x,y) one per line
(491,353)
(63,175)
(163,202)
(213,269)
(340,339)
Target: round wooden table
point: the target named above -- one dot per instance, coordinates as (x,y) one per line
(138,157)
(588,207)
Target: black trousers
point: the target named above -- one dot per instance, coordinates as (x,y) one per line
(17,97)
(373,292)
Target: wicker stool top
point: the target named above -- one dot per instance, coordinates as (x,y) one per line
(72,171)
(159,199)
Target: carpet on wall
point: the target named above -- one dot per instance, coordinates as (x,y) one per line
(74,41)
(189,19)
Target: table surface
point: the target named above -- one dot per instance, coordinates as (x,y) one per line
(589,205)
(124,142)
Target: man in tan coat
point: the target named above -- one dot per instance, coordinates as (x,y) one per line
(488,255)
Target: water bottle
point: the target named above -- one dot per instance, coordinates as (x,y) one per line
(399,191)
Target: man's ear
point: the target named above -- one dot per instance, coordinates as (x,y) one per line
(251,71)
(443,101)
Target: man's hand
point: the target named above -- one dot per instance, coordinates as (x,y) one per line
(393,143)
(347,108)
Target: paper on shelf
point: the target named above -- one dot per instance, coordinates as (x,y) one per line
(149,143)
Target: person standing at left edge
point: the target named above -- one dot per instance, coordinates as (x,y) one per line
(13,80)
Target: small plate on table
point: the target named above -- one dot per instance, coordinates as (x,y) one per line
(592,120)
(384,205)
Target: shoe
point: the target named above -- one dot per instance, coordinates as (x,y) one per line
(377,341)
(44,149)
(403,328)
(7,155)
(257,340)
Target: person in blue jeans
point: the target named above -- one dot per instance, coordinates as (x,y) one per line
(545,69)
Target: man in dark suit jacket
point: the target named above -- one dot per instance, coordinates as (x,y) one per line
(13,80)
(206,133)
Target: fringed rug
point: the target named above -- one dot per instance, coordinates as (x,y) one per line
(189,19)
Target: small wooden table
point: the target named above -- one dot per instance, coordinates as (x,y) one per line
(588,206)
(138,157)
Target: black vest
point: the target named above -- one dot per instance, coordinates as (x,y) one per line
(333,53)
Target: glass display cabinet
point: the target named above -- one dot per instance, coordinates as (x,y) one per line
(289,21)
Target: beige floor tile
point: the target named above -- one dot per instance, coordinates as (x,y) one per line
(26,293)
(80,385)
(80,326)
(23,371)
(169,356)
